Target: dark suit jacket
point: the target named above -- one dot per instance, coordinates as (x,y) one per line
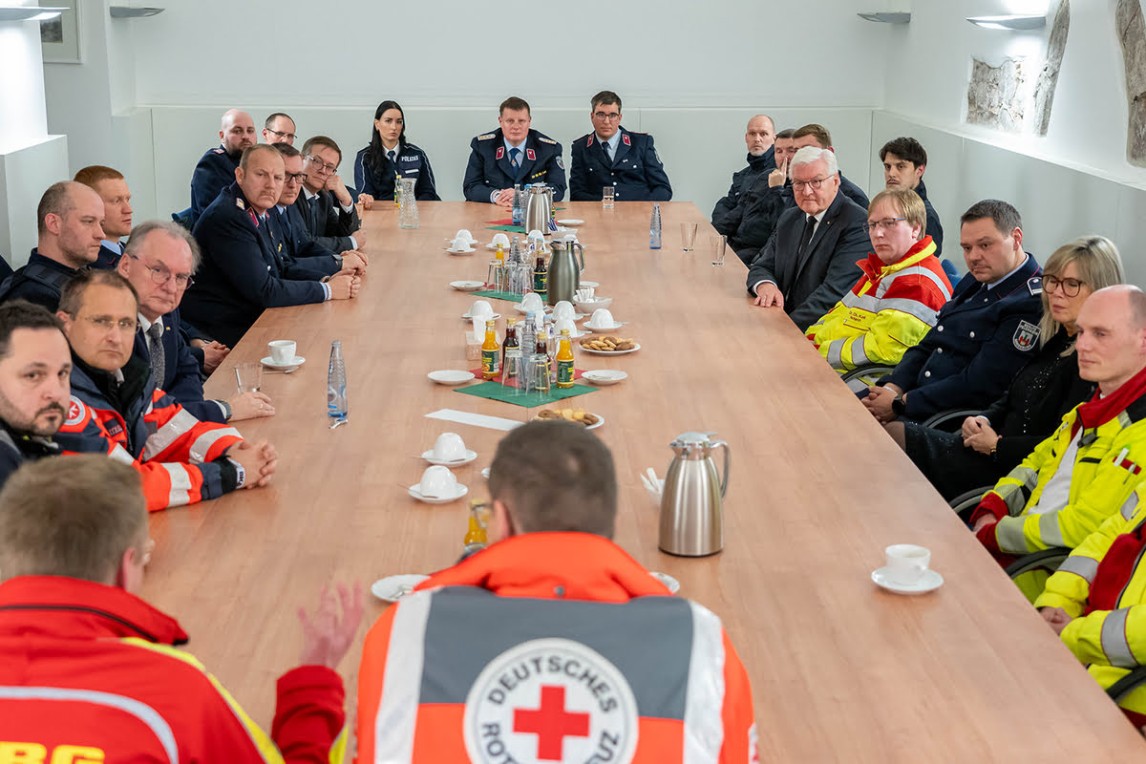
(813,284)
(301,251)
(240,274)
(327,223)
(489,169)
(214,172)
(636,172)
(181,380)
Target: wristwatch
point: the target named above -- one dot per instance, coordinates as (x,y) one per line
(899,403)
(240,473)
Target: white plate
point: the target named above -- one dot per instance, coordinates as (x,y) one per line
(600,421)
(460,252)
(395,588)
(416,494)
(604,377)
(270,363)
(672,584)
(571,221)
(450,376)
(467,286)
(590,351)
(467,317)
(612,328)
(929,581)
(469,457)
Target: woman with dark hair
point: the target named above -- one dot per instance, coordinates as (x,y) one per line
(391,156)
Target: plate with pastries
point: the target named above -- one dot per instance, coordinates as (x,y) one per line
(609,344)
(590,420)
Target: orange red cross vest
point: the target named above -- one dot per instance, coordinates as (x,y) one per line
(540,648)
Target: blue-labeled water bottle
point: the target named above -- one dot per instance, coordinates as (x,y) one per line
(655,228)
(518,215)
(337,405)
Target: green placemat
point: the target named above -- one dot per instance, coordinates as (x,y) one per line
(507,228)
(510,296)
(495,391)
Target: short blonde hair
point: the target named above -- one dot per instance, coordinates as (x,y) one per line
(1099,265)
(907,203)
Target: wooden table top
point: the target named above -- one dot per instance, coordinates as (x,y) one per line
(841,670)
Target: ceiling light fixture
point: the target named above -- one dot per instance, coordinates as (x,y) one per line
(1011,23)
(29,13)
(886,17)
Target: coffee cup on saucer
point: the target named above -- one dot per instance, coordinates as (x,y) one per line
(438,483)
(564,323)
(465,236)
(449,447)
(481,309)
(602,318)
(906,563)
(563,309)
(531,303)
(502,239)
(460,244)
(282,351)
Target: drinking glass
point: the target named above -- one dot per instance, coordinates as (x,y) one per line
(249,377)
(607,198)
(688,235)
(719,249)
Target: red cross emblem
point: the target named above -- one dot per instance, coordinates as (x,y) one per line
(551,723)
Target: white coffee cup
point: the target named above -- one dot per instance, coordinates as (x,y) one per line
(906,563)
(531,302)
(502,239)
(282,351)
(603,318)
(438,483)
(564,323)
(563,309)
(465,235)
(481,309)
(459,244)
(449,447)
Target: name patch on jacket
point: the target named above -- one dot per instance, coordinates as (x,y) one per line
(76,412)
(550,700)
(1026,336)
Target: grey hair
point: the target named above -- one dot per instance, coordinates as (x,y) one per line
(810,154)
(169,227)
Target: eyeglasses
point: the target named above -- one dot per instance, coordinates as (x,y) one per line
(321,165)
(107,323)
(160,275)
(1069,287)
(814,184)
(280,134)
(886,224)
(606,116)
(295,177)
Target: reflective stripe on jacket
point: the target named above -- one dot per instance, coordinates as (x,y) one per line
(888,310)
(538,649)
(93,671)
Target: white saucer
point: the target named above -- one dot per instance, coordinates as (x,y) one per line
(467,317)
(469,251)
(612,328)
(591,351)
(469,457)
(467,286)
(270,363)
(604,377)
(395,588)
(672,584)
(416,494)
(520,309)
(929,581)
(450,377)
(571,221)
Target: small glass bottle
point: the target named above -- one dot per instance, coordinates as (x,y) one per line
(337,404)
(510,351)
(490,353)
(565,372)
(655,228)
(397,190)
(518,214)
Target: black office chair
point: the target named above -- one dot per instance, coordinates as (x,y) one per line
(1127,683)
(950,420)
(964,503)
(862,377)
(1045,559)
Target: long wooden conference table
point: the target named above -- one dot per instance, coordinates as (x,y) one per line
(841,670)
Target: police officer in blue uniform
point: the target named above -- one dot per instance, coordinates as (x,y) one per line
(513,153)
(216,168)
(390,155)
(760,138)
(983,335)
(613,156)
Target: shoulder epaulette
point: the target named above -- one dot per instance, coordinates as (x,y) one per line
(218,150)
(543,139)
(486,137)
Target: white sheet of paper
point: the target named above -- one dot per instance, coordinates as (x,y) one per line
(477,420)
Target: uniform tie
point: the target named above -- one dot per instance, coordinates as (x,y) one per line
(513,153)
(155,351)
(806,236)
(608,154)
(390,154)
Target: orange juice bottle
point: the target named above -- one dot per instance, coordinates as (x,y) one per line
(565,360)
(490,353)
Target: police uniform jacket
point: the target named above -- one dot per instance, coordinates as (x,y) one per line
(980,341)
(182,379)
(38,281)
(329,224)
(934,227)
(215,171)
(812,284)
(489,170)
(411,162)
(728,211)
(635,172)
(301,251)
(240,274)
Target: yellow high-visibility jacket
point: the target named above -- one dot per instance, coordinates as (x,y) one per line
(888,310)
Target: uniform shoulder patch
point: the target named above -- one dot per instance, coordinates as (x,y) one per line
(1035,285)
(560,163)
(77,412)
(625,139)
(543,139)
(1026,335)
(486,137)
(218,150)
(240,203)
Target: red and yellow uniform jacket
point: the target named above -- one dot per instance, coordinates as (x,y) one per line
(540,648)
(888,310)
(180,458)
(1102,586)
(91,673)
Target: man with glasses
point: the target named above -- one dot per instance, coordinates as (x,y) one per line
(810,260)
(279,128)
(70,235)
(613,156)
(159,262)
(325,202)
(117,409)
(982,337)
(514,153)
(216,168)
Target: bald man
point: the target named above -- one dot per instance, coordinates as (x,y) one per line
(216,170)
(759,137)
(68,221)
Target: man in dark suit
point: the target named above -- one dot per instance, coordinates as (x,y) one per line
(216,168)
(242,272)
(326,205)
(810,261)
(159,262)
(513,153)
(111,186)
(612,156)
